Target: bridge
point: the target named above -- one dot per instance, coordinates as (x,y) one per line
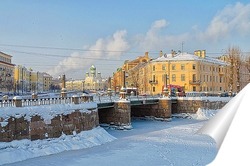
(78,113)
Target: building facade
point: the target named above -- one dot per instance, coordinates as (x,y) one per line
(47,82)
(29,81)
(74,85)
(194,72)
(127,75)
(94,81)
(239,71)
(6,73)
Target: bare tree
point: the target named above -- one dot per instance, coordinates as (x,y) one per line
(247,65)
(235,61)
(135,77)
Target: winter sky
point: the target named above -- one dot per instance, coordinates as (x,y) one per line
(67,37)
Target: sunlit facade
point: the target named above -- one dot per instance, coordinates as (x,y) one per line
(194,72)
(6,73)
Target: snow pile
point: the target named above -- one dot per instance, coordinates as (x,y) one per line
(201,114)
(23,149)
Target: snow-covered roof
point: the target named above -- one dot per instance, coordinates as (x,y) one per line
(188,57)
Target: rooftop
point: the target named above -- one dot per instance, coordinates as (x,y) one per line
(188,57)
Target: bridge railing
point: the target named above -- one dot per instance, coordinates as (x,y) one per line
(44,101)
(24,102)
(106,98)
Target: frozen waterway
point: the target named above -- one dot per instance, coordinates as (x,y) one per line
(148,143)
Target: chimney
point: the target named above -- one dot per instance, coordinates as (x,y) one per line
(203,53)
(173,53)
(197,53)
(146,54)
(161,53)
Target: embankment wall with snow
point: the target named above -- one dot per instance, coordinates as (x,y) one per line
(49,121)
(193,104)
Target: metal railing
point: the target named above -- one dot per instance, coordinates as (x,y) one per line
(45,101)
(25,102)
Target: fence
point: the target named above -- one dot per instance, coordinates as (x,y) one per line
(23,102)
(19,102)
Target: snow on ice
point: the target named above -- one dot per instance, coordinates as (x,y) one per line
(150,142)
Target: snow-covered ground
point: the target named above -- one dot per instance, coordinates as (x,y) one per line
(150,142)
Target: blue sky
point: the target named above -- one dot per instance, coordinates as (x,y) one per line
(67,37)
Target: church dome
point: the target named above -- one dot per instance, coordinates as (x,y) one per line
(92,67)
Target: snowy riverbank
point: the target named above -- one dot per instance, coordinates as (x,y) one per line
(24,149)
(150,142)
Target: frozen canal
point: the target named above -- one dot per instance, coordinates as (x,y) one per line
(148,143)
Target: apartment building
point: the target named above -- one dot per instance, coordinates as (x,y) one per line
(194,72)
(6,73)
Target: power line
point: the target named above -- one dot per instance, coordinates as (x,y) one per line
(93,50)
(74,49)
(64,56)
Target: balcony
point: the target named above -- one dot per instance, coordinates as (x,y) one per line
(153,82)
(194,82)
(221,73)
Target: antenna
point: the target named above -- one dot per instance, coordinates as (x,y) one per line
(182,43)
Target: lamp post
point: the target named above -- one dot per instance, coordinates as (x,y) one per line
(123,89)
(83,86)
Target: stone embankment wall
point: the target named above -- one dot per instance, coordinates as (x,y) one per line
(17,128)
(191,106)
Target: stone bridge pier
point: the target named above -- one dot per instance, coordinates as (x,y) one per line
(161,110)
(118,116)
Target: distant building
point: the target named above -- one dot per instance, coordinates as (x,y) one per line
(94,81)
(74,85)
(47,82)
(29,81)
(6,73)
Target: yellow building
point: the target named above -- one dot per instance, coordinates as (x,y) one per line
(75,85)
(29,81)
(6,73)
(239,68)
(47,82)
(121,76)
(194,72)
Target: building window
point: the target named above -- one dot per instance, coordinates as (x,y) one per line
(194,66)
(183,77)
(194,88)
(182,67)
(153,67)
(173,78)
(173,67)
(153,89)
(164,67)
(194,77)
(220,79)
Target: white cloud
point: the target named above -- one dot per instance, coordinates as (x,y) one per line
(159,24)
(156,40)
(104,48)
(231,22)
(233,19)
